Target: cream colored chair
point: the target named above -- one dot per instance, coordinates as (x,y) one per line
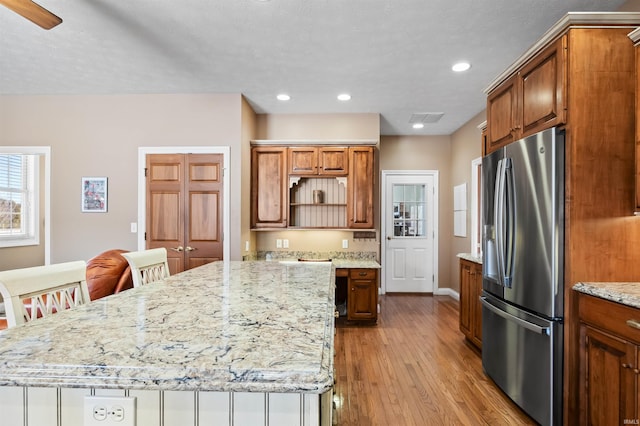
(32,293)
(147,266)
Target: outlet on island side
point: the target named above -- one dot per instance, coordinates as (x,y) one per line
(109,411)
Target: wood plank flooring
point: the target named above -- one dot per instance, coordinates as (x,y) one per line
(415,368)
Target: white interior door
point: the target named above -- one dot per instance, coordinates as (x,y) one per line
(410,223)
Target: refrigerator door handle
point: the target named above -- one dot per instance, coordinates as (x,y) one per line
(498,218)
(509,222)
(529,326)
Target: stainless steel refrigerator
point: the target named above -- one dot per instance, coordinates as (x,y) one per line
(523,267)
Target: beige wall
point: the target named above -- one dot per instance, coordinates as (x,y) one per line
(465,146)
(100,136)
(427,153)
(630,6)
(249,129)
(317,127)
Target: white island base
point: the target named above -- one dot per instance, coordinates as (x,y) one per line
(65,407)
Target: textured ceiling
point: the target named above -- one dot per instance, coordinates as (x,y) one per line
(393,56)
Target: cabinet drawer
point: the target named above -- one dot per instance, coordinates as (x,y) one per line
(362,274)
(610,316)
(342,272)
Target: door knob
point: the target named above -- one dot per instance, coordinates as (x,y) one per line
(388,238)
(189,248)
(178,249)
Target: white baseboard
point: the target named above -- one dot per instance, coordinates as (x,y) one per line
(447,292)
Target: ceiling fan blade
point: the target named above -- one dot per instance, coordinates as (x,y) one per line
(33,12)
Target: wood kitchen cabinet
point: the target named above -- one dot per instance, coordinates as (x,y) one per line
(360,185)
(635,37)
(269,187)
(470,307)
(357,294)
(323,160)
(609,363)
(529,101)
(285,179)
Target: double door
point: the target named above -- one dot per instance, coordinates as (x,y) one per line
(184,208)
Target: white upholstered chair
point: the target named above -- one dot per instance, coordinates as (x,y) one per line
(147,266)
(36,292)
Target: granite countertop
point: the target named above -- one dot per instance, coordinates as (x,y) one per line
(338,263)
(470,257)
(625,293)
(225,326)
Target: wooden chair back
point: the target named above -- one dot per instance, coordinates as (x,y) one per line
(40,291)
(147,266)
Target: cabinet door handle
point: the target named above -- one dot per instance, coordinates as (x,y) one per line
(633,324)
(362,274)
(625,365)
(178,249)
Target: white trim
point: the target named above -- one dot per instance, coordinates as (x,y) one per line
(475,205)
(298,142)
(383,225)
(142,190)
(570,20)
(45,151)
(635,35)
(447,292)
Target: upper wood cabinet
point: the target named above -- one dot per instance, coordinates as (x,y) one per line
(360,185)
(327,161)
(269,187)
(284,179)
(531,100)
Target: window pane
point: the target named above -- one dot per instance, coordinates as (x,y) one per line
(18,203)
(409,207)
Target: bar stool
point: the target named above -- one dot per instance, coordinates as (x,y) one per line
(31,293)
(148,266)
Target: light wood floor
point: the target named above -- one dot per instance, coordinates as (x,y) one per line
(415,368)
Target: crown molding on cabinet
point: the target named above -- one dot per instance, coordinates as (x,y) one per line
(570,20)
(298,142)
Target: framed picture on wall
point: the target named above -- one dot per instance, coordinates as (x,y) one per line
(94,194)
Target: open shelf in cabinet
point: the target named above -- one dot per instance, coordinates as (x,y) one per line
(329,212)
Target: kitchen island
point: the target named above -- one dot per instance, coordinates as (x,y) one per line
(235,342)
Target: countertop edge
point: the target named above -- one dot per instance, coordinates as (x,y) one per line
(626,293)
(470,257)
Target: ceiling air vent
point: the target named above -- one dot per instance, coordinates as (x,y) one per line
(425,117)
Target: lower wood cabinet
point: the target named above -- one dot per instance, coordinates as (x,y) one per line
(470,307)
(357,294)
(609,363)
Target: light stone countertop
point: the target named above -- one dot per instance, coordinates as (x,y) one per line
(626,293)
(225,326)
(470,257)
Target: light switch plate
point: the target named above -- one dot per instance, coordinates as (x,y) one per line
(109,411)
(345,243)
(278,243)
(285,243)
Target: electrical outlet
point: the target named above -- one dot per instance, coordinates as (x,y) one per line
(109,411)
(285,243)
(345,243)
(278,243)
(246,246)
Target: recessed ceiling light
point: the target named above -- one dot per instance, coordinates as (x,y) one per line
(461,66)
(344,97)
(418,125)
(283,97)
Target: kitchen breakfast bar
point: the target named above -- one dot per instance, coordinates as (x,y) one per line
(227,343)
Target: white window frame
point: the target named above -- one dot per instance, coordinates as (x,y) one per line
(45,152)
